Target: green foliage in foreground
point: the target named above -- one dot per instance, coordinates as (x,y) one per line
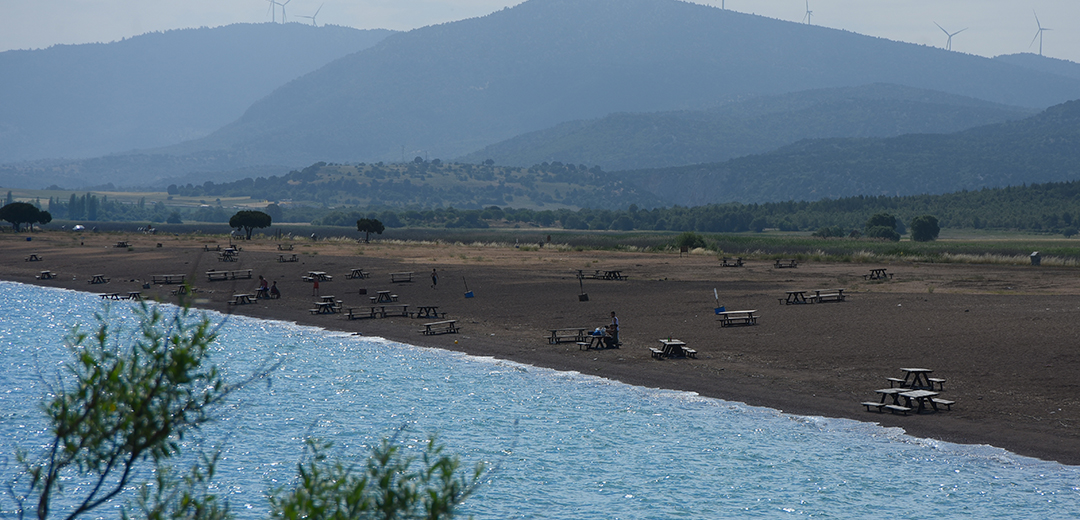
(125,409)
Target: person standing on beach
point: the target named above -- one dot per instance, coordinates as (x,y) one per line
(613,331)
(434,278)
(315,286)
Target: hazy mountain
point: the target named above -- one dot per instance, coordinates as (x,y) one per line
(1042,64)
(155,89)
(630,141)
(1042,148)
(453,88)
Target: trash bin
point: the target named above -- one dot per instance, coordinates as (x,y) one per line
(1036,258)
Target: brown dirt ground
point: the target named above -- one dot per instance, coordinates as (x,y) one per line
(1004,337)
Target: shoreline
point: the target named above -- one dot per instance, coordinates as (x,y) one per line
(997,353)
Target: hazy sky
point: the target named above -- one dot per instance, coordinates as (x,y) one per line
(993,26)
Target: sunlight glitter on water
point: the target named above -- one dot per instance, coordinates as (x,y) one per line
(564,445)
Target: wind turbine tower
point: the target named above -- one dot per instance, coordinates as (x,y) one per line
(312,17)
(948,43)
(808,13)
(1039,34)
(273,12)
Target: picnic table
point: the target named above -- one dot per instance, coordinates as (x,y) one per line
(283,258)
(894,407)
(214,275)
(831,295)
(877,274)
(122,243)
(575,334)
(318,275)
(427,311)
(383,297)
(45,275)
(325,307)
(397,309)
(134,295)
(729,318)
(356,315)
(917,378)
(672,348)
(168,279)
(184,289)
(735,263)
(111,296)
(33,258)
(286,247)
(795,297)
(613,275)
(786,264)
(242,299)
(99,278)
(358,273)
(922,397)
(228,255)
(401,277)
(440,327)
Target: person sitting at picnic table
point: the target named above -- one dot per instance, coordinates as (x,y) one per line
(262,283)
(274,293)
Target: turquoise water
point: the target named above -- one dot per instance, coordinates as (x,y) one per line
(565,445)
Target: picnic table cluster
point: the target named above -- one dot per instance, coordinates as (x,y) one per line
(215,275)
(877,274)
(819,296)
(918,390)
(672,348)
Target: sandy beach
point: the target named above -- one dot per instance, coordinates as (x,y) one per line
(1005,338)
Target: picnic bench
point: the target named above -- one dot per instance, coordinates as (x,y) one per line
(613,275)
(877,274)
(358,273)
(242,299)
(440,327)
(122,243)
(283,258)
(396,309)
(99,278)
(672,348)
(794,298)
(831,295)
(110,296)
(786,264)
(730,318)
(238,274)
(285,247)
(317,275)
(228,255)
(325,307)
(134,295)
(427,311)
(575,334)
(167,279)
(353,315)
(401,277)
(184,289)
(33,258)
(733,263)
(383,297)
(206,247)
(45,275)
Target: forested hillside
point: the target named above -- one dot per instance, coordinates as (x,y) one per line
(757,125)
(1043,148)
(71,101)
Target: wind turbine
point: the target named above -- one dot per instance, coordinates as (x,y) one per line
(948,43)
(312,17)
(284,18)
(808,13)
(1039,34)
(273,12)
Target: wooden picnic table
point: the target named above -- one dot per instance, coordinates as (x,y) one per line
(917,378)
(122,243)
(440,327)
(134,295)
(283,258)
(45,275)
(672,348)
(795,297)
(877,274)
(735,263)
(99,278)
(325,307)
(427,311)
(228,255)
(921,397)
(242,299)
(168,279)
(786,264)
(895,406)
(383,297)
(575,334)
(729,318)
(111,296)
(318,275)
(352,315)
(401,277)
(398,309)
(831,295)
(33,258)
(358,273)
(613,275)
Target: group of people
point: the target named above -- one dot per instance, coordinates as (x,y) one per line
(610,332)
(271,291)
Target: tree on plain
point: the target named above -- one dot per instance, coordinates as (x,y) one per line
(367,226)
(249,220)
(924,228)
(19,213)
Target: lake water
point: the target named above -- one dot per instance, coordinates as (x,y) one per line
(565,445)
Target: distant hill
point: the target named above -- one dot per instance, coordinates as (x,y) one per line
(1042,64)
(1042,148)
(631,141)
(155,89)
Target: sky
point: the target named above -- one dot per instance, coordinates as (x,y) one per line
(993,27)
